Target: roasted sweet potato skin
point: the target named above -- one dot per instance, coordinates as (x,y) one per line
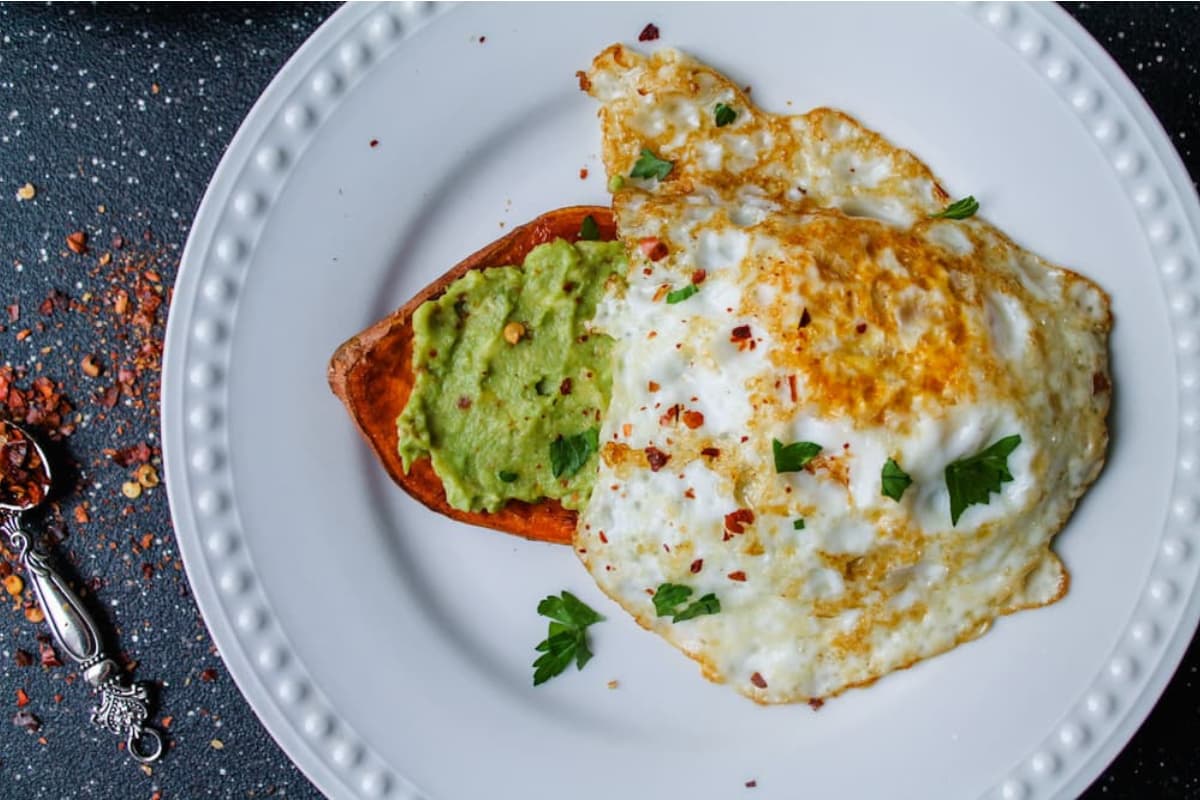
(371,373)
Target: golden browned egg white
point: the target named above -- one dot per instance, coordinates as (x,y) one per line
(789,282)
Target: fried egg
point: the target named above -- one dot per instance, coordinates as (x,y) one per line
(790,282)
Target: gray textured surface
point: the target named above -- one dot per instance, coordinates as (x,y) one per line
(128,109)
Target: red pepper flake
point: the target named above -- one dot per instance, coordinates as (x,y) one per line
(690,494)
(711,452)
(652,386)
(697,565)
(666,547)
(736,522)
(816,703)
(1100,383)
(737,575)
(654,248)
(24,658)
(698,276)
(603,538)
(26,720)
(740,333)
(77,242)
(46,652)
(750,784)
(374,143)
(805,319)
(22,698)
(583,173)
(649,33)
(758,680)
(208,675)
(464,402)
(693,419)
(657,458)
(792,387)
(861,327)
(564,388)
(671,417)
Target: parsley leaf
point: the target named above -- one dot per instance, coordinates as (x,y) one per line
(506,476)
(566,639)
(895,480)
(798,525)
(971,480)
(723,115)
(669,596)
(679,295)
(651,166)
(589,230)
(793,457)
(569,453)
(708,604)
(960,209)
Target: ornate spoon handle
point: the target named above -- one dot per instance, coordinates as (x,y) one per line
(123,707)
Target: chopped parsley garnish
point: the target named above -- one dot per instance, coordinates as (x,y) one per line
(960,209)
(723,115)
(569,453)
(589,231)
(798,524)
(793,457)
(679,295)
(651,166)
(971,480)
(506,476)
(895,480)
(566,639)
(670,596)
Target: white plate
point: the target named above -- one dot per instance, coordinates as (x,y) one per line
(388,649)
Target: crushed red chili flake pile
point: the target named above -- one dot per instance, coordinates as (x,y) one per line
(24,481)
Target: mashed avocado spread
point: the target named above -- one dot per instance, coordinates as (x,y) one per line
(510,385)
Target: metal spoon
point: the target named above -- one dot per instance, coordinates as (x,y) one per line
(24,484)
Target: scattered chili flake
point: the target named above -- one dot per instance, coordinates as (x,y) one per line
(711,452)
(652,386)
(792,387)
(736,521)
(46,653)
(1100,383)
(654,248)
(22,335)
(464,402)
(816,703)
(583,173)
(649,33)
(758,680)
(23,658)
(374,143)
(693,419)
(584,82)
(657,458)
(805,319)
(737,575)
(564,388)
(690,494)
(208,675)
(750,784)
(861,327)
(77,242)
(671,417)
(603,538)
(697,565)
(698,276)
(22,698)
(26,720)
(740,333)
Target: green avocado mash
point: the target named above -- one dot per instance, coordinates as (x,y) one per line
(510,386)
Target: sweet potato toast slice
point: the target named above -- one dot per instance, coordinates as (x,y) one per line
(372,375)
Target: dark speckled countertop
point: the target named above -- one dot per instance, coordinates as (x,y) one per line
(116,115)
